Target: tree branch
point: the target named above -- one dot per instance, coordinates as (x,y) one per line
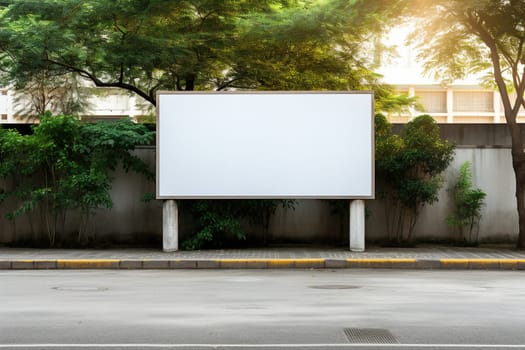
(486,37)
(519,94)
(227,84)
(121,74)
(152,92)
(100,83)
(519,52)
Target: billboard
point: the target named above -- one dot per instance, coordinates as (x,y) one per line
(265,145)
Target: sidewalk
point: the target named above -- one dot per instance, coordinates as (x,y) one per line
(421,257)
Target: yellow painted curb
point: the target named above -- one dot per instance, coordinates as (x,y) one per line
(309,261)
(282,262)
(381,263)
(273,262)
(87,263)
(289,261)
(242,260)
(254,263)
(501,264)
(40,260)
(270,263)
(366,261)
(482,261)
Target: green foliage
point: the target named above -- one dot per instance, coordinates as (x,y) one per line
(469,203)
(220,220)
(144,46)
(389,103)
(408,168)
(215,219)
(65,165)
(108,144)
(457,37)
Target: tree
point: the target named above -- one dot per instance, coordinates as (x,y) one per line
(146,45)
(137,45)
(467,36)
(327,45)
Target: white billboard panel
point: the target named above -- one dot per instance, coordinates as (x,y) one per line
(265,145)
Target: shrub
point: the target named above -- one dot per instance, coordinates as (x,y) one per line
(219,219)
(65,165)
(408,168)
(469,203)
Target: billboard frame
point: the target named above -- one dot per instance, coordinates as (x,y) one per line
(372,155)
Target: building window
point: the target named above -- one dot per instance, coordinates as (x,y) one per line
(110,103)
(3,117)
(433,101)
(473,101)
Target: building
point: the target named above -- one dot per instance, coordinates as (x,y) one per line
(461,102)
(101,104)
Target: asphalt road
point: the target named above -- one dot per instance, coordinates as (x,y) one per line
(262,309)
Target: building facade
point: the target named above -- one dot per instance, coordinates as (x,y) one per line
(460,104)
(102,104)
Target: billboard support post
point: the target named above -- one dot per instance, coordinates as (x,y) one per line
(170,226)
(357,225)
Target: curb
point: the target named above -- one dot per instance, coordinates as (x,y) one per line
(375,263)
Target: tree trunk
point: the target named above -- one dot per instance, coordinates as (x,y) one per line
(520,196)
(190,82)
(511,110)
(518,164)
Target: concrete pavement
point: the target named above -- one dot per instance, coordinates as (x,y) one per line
(421,257)
(302,308)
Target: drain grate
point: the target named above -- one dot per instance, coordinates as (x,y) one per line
(334,286)
(80,289)
(370,336)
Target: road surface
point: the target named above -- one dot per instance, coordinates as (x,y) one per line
(263,309)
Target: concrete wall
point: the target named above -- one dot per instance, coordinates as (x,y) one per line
(131,220)
(478,135)
(492,172)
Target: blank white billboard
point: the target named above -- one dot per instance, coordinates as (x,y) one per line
(265,145)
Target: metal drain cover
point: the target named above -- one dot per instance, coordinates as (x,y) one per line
(80,289)
(370,336)
(335,286)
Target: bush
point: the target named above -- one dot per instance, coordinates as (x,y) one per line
(65,166)
(469,203)
(408,168)
(220,219)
